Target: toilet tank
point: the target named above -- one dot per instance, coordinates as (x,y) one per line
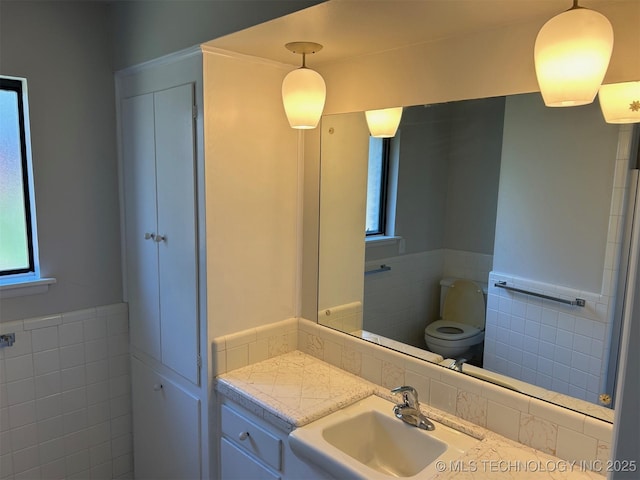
(446,283)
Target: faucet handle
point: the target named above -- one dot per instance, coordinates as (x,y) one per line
(409,395)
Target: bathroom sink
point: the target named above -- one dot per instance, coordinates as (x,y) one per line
(365,440)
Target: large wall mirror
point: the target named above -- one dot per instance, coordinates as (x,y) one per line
(502,192)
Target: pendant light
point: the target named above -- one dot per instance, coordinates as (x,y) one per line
(383,123)
(572,53)
(303,90)
(620,102)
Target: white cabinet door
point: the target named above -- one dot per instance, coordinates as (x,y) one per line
(161,227)
(166,427)
(139,165)
(178,273)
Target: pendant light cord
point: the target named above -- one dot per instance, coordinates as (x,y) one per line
(575,6)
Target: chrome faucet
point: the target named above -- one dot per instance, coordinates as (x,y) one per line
(457,364)
(409,410)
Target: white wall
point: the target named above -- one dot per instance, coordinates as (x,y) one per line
(479,65)
(63,50)
(252,195)
(423,171)
(556,183)
(474,157)
(146,30)
(449,164)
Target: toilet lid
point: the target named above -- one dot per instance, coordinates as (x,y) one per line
(446,330)
(464,303)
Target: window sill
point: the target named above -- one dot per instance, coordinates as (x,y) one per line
(19,287)
(382,240)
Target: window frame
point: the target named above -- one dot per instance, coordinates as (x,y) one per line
(19,87)
(28,281)
(384,186)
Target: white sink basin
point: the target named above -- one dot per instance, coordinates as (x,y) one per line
(366,441)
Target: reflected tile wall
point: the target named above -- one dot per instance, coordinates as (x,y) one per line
(555,346)
(401,302)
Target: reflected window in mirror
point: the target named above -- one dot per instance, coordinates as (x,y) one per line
(379,198)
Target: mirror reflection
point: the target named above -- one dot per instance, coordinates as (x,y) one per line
(420,233)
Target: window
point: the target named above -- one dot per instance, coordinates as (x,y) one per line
(377,186)
(18,244)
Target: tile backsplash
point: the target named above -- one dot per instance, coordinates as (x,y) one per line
(65,400)
(532,422)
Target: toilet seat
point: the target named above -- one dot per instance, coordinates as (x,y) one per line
(448,330)
(462,324)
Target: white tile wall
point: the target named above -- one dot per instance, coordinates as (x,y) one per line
(545,343)
(399,303)
(468,265)
(65,404)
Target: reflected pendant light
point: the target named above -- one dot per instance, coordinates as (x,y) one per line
(572,53)
(620,102)
(383,123)
(303,90)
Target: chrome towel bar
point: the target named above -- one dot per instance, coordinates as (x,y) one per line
(381,268)
(579,302)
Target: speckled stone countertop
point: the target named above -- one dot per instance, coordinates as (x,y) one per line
(294,389)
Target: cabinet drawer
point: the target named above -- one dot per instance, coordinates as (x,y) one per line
(238,465)
(252,438)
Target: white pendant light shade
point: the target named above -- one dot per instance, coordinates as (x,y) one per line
(303,95)
(383,123)
(572,53)
(620,102)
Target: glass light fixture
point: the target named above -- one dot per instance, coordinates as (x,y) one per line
(572,53)
(620,102)
(383,123)
(303,90)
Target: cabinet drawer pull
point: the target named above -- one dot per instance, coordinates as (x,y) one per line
(243,436)
(157,387)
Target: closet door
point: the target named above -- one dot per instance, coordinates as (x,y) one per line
(177,229)
(138,146)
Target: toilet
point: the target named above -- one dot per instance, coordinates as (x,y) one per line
(462,307)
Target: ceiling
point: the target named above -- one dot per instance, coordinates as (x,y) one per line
(351,28)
